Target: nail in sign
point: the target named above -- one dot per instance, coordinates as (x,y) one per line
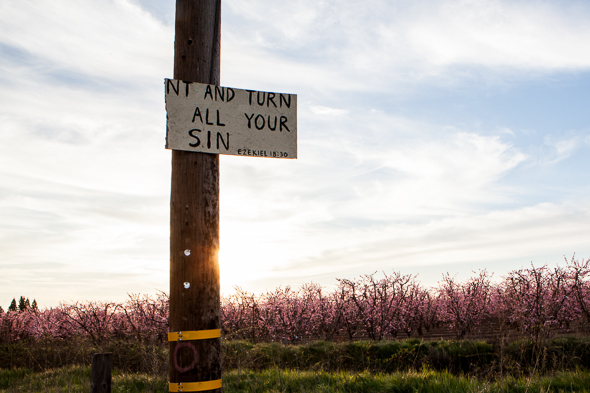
(223,120)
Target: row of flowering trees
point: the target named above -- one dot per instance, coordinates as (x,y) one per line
(535,302)
(141,318)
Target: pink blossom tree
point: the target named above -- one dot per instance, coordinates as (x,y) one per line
(465,304)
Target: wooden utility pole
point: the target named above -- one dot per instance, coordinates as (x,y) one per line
(195,346)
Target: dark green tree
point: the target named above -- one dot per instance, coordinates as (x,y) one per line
(12,306)
(22,305)
(1,310)
(34,305)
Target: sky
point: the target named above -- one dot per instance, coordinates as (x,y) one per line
(434,137)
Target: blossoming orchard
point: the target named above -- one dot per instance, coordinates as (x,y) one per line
(536,302)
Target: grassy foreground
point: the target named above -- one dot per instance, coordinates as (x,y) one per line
(475,358)
(76,379)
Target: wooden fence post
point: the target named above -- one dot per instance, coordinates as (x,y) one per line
(100,373)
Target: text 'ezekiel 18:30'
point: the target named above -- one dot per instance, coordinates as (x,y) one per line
(223,120)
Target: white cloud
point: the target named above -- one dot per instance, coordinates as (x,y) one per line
(525,35)
(500,240)
(84,178)
(112,39)
(354,205)
(559,148)
(385,45)
(327,111)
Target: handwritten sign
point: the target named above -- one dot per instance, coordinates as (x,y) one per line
(223,120)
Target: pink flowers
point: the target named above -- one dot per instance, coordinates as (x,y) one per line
(143,318)
(464,305)
(535,302)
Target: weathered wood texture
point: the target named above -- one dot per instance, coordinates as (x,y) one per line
(100,373)
(194,208)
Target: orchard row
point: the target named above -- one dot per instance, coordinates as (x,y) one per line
(535,302)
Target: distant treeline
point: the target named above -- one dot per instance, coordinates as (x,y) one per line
(534,302)
(23,304)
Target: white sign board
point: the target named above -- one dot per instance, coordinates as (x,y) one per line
(222,120)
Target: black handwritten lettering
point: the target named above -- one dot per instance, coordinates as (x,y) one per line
(270,98)
(284,123)
(283,99)
(256,122)
(260,122)
(249,119)
(186,85)
(170,82)
(233,94)
(208,139)
(260,103)
(221,92)
(220,138)
(250,92)
(218,122)
(191,133)
(275,126)
(197,113)
(262,153)
(208,92)
(207,117)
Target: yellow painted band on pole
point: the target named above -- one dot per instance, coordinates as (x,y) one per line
(194,386)
(194,335)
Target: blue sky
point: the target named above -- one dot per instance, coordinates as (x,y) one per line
(434,136)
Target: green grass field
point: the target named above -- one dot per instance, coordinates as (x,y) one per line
(77,379)
(559,365)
